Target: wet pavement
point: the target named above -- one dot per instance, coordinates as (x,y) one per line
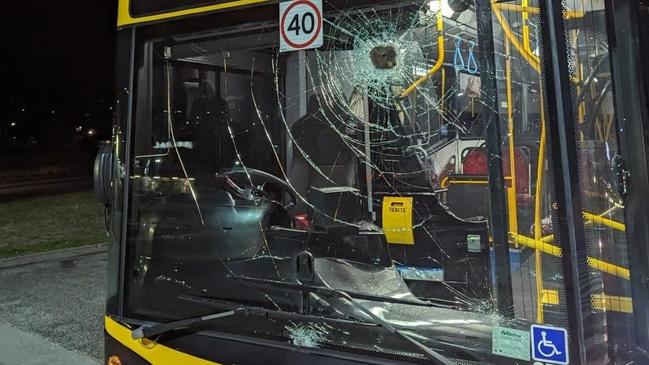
(61,301)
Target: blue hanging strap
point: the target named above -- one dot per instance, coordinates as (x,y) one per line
(458,60)
(472,65)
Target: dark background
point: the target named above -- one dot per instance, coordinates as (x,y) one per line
(56,85)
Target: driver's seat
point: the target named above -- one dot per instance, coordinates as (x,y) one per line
(318,145)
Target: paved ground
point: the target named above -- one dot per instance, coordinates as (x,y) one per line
(60,302)
(20,347)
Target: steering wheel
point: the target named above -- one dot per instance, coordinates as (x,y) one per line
(259,178)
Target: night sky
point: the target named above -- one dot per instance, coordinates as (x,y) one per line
(58,65)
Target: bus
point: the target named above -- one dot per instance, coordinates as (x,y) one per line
(378,182)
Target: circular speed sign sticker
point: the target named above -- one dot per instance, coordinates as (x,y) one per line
(300,24)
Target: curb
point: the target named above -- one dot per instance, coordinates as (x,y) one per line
(64,254)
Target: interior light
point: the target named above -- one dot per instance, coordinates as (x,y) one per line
(443,6)
(435,5)
(447,11)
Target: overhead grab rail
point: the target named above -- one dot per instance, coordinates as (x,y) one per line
(570,14)
(524,49)
(530,57)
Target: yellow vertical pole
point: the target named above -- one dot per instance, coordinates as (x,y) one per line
(526,27)
(511,192)
(538,198)
(538,207)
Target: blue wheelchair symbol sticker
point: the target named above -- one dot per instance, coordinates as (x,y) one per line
(549,344)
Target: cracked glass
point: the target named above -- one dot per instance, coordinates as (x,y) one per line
(349,185)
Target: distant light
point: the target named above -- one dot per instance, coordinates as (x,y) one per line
(447,11)
(79,129)
(13,124)
(53,112)
(437,5)
(91,132)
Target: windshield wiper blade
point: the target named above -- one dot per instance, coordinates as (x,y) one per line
(330,291)
(341,294)
(148,331)
(247,310)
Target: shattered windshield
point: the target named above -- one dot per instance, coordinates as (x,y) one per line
(261,177)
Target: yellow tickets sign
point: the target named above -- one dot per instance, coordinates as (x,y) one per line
(397,220)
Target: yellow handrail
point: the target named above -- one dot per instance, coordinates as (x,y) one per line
(440,58)
(511,192)
(534,10)
(592,218)
(615,270)
(538,220)
(526,27)
(541,246)
(553,250)
(531,58)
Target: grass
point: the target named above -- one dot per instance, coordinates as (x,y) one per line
(47,223)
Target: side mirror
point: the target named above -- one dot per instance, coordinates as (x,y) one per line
(103,173)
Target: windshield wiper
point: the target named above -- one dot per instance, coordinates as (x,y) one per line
(148,331)
(349,297)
